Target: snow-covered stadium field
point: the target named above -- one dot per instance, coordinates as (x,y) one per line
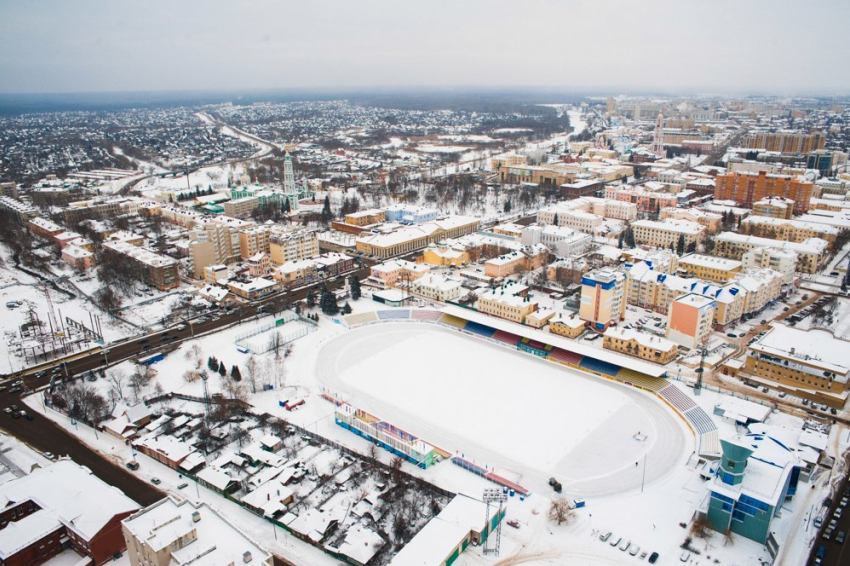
(529,418)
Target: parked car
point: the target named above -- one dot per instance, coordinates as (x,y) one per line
(653,558)
(626,544)
(839,538)
(132,465)
(605,536)
(514,523)
(182,486)
(634,550)
(616,541)
(49,455)
(156,481)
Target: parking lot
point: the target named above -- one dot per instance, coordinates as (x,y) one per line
(830,546)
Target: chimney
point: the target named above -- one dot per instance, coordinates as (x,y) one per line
(247,557)
(196,517)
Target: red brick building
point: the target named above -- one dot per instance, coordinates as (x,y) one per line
(59,507)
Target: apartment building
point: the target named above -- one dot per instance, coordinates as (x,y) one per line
(811,361)
(391,273)
(644,346)
(785,141)
(150,268)
(712,268)
(60,506)
(252,289)
(603,301)
(177,531)
(691,320)
(812,254)
(45,228)
(286,245)
(409,214)
(241,207)
(666,233)
(509,301)
(788,230)
(78,258)
(96,210)
(774,207)
(21,211)
(748,188)
(762,287)
(782,261)
(212,243)
(710,220)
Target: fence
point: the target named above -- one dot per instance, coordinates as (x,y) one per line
(261,347)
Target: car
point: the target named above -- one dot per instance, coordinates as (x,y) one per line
(833,410)
(513,523)
(132,465)
(782,394)
(837,514)
(605,536)
(626,544)
(833,273)
(634,550)
(156,481)
(15,390)
(685,556)
(15,408)
(616,541)
(839,538)
(764,321)
(805,401)
(7,410)
(16,415)
(49,455)
(182,485)
(818,522)
(843,502)
(181,327)
(653,558)
(731,335)
(786,309)
(827,534)
(821,552)
(30,416)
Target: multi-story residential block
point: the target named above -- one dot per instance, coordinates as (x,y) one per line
(241,207)
(288,245)
(86,210)
(691,319)
(707,267)
(710,220)
(774,207)
(666,234)
(762,287)
(259,264)
(509,301)
(59,506)
(173,531)
(812,254)
(782,261)
(45,228)
(785,141)
(809,361)
(21,211)
(603,299)
(789,230)
(150,268)
(748,188)
(645,346)
(125,236)
(78,258)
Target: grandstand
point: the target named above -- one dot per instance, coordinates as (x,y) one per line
(353,320)
(397,314)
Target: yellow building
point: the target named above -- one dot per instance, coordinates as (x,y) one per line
(529,258)
(509,301)
(710,220)
(666,233)
(810,361)
(785,142)
(690,321)
(812,254)
(292,246)
(788,230)
(707,267)
(774,207)
(645,346)
(442,255)
(411,238)
(366,217)
(570,327)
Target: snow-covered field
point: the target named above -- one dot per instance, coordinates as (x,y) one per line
(529,418)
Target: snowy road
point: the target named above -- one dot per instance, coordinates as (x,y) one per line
(529,418)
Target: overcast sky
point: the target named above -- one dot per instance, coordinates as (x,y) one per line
(724,46)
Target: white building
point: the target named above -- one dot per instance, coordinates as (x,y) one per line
(437,288)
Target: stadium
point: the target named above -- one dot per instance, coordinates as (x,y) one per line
(527,404)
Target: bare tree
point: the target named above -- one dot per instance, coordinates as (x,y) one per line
(240,435)
(140,378)
(560,511)
(192,375)
(275,343)
(195,354)
(117,380)
(701,528)
(252,372)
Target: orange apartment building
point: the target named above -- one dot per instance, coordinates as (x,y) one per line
(746,189)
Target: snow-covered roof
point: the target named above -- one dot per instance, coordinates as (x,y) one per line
(644,339)
(361,544)
(813,347)
(64,491)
